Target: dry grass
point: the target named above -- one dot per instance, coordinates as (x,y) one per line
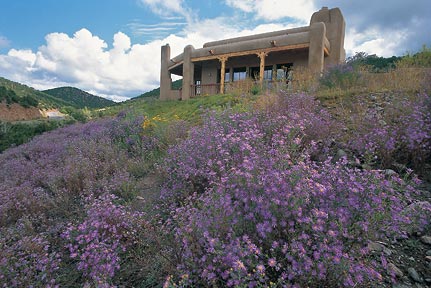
(303,80)
(405,79)
(241,87)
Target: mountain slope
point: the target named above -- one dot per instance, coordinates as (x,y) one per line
(45,100)
(79,98)
(156,92)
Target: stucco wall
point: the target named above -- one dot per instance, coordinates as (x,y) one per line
(209,72)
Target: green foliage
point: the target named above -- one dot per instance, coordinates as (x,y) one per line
(373,62)
(255,90)
(14,134)
(78,98)
(10,96)
(77,114)
(340,76)
(28,101)
(421,59)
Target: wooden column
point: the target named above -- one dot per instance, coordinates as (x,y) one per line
(223,60)
(262,56)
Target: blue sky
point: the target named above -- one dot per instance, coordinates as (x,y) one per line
(112,47)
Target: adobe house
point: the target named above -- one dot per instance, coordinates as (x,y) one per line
(263,57)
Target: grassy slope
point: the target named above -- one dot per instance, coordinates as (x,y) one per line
(189,110)
(79,98)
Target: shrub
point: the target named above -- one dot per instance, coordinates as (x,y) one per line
(28,101)
(395,131)
(28,262)
(250,208)
(341,76)
(100,240)
(421,59)
(48,186)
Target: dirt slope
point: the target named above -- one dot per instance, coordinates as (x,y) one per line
(15,112)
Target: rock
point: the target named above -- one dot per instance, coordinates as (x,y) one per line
(395,270)
(428,280)
(428,253)
(390,172)
(375,247)
(428,258)
(400,285)
(426,240)
(416,212)
(415,275)
(387,251)
(340,155)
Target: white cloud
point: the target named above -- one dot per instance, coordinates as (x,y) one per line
(373,41)
(244,5)
(167,8)
(157,30)
(276,9)
(85,61)
(27,56)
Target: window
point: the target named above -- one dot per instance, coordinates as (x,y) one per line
(267,73)
(282,70)
(227,77)
(239,74)
(198,87)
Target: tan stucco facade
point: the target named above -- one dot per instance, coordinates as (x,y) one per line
(263,57)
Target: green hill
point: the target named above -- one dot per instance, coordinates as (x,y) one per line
(155,93)
(79,98)
(45,100)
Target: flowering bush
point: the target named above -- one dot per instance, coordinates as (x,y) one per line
(248,199)
(251,209)
(398,132)
(100,239)
(49,183)
(28,262)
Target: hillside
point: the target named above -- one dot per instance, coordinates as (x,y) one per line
(79,98)
(155,93)
(45,100)
(312,186)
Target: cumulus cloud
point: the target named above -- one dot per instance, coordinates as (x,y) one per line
(84,60)
(395,26)
(373,41)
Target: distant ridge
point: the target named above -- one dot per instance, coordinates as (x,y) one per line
(155,93)
(79,98)
(45,100)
